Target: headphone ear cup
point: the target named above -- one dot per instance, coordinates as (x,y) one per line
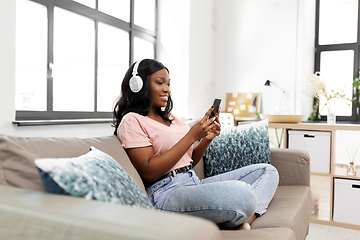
(136,84)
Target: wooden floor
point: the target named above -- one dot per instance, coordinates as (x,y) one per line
(320,186)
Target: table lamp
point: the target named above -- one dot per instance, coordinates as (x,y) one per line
(269,83)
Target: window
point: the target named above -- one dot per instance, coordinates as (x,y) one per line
(73,62)
(337,51)
(31,57)
(71,56)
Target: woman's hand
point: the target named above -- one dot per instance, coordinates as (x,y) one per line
(203,127)
(216,128)
(209,128)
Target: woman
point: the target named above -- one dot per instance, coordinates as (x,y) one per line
(160,147)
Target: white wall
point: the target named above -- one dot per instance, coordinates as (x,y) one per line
(305,54)
(7,64)
(235,46)
(256,40)
(186,47)
(201,58)
(173,49)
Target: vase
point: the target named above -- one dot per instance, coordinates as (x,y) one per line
(351,169)
(331,114)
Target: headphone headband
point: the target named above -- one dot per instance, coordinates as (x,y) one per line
(136,82)
(135,69)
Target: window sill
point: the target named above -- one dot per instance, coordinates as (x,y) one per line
(61,122)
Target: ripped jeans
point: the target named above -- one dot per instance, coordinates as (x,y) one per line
(229,199)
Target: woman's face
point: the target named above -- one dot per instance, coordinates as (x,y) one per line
(160,87)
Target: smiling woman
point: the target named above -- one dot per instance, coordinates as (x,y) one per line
(161,148)
(153,74)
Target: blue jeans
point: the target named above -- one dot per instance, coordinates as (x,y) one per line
(229,199)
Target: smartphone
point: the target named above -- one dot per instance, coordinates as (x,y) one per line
(215,105)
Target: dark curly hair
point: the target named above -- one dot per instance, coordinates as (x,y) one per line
(140,102)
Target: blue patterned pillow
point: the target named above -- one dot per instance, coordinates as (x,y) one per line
(94,175)
(237,147)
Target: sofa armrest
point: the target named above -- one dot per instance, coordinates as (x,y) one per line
(293,166)
(27,214)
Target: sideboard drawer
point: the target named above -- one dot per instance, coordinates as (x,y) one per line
(317,144)
(346,201)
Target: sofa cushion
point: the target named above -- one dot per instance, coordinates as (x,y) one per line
(237,147)
(94,175)
(289,208)
(17,156)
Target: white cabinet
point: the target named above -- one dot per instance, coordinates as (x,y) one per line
(317,144)
(339,193)
(346,201)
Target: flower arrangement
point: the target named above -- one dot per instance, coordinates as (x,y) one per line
(318,90)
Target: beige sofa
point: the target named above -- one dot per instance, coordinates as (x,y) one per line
(28,212)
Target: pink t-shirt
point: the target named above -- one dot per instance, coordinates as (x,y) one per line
(136,130)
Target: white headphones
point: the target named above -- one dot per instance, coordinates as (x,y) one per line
(136,82)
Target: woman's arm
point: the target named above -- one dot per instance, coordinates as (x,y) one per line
(152,167)
(199,150)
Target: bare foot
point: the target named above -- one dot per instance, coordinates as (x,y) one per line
(245,226)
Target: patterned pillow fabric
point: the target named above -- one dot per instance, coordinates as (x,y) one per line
(237,147)
(94,175)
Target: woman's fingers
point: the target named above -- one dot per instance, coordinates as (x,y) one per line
(207,115)
(216,127)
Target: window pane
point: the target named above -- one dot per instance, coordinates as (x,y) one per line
(337,69)
(73,71)
(113,62)
(338,21)
(144,14)
(89,3)
(143,49)
(116,8)
(31,56)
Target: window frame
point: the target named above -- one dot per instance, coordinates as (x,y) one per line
(97,16)
(355,117)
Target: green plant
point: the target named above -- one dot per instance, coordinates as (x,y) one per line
(315,114)
(356,84)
